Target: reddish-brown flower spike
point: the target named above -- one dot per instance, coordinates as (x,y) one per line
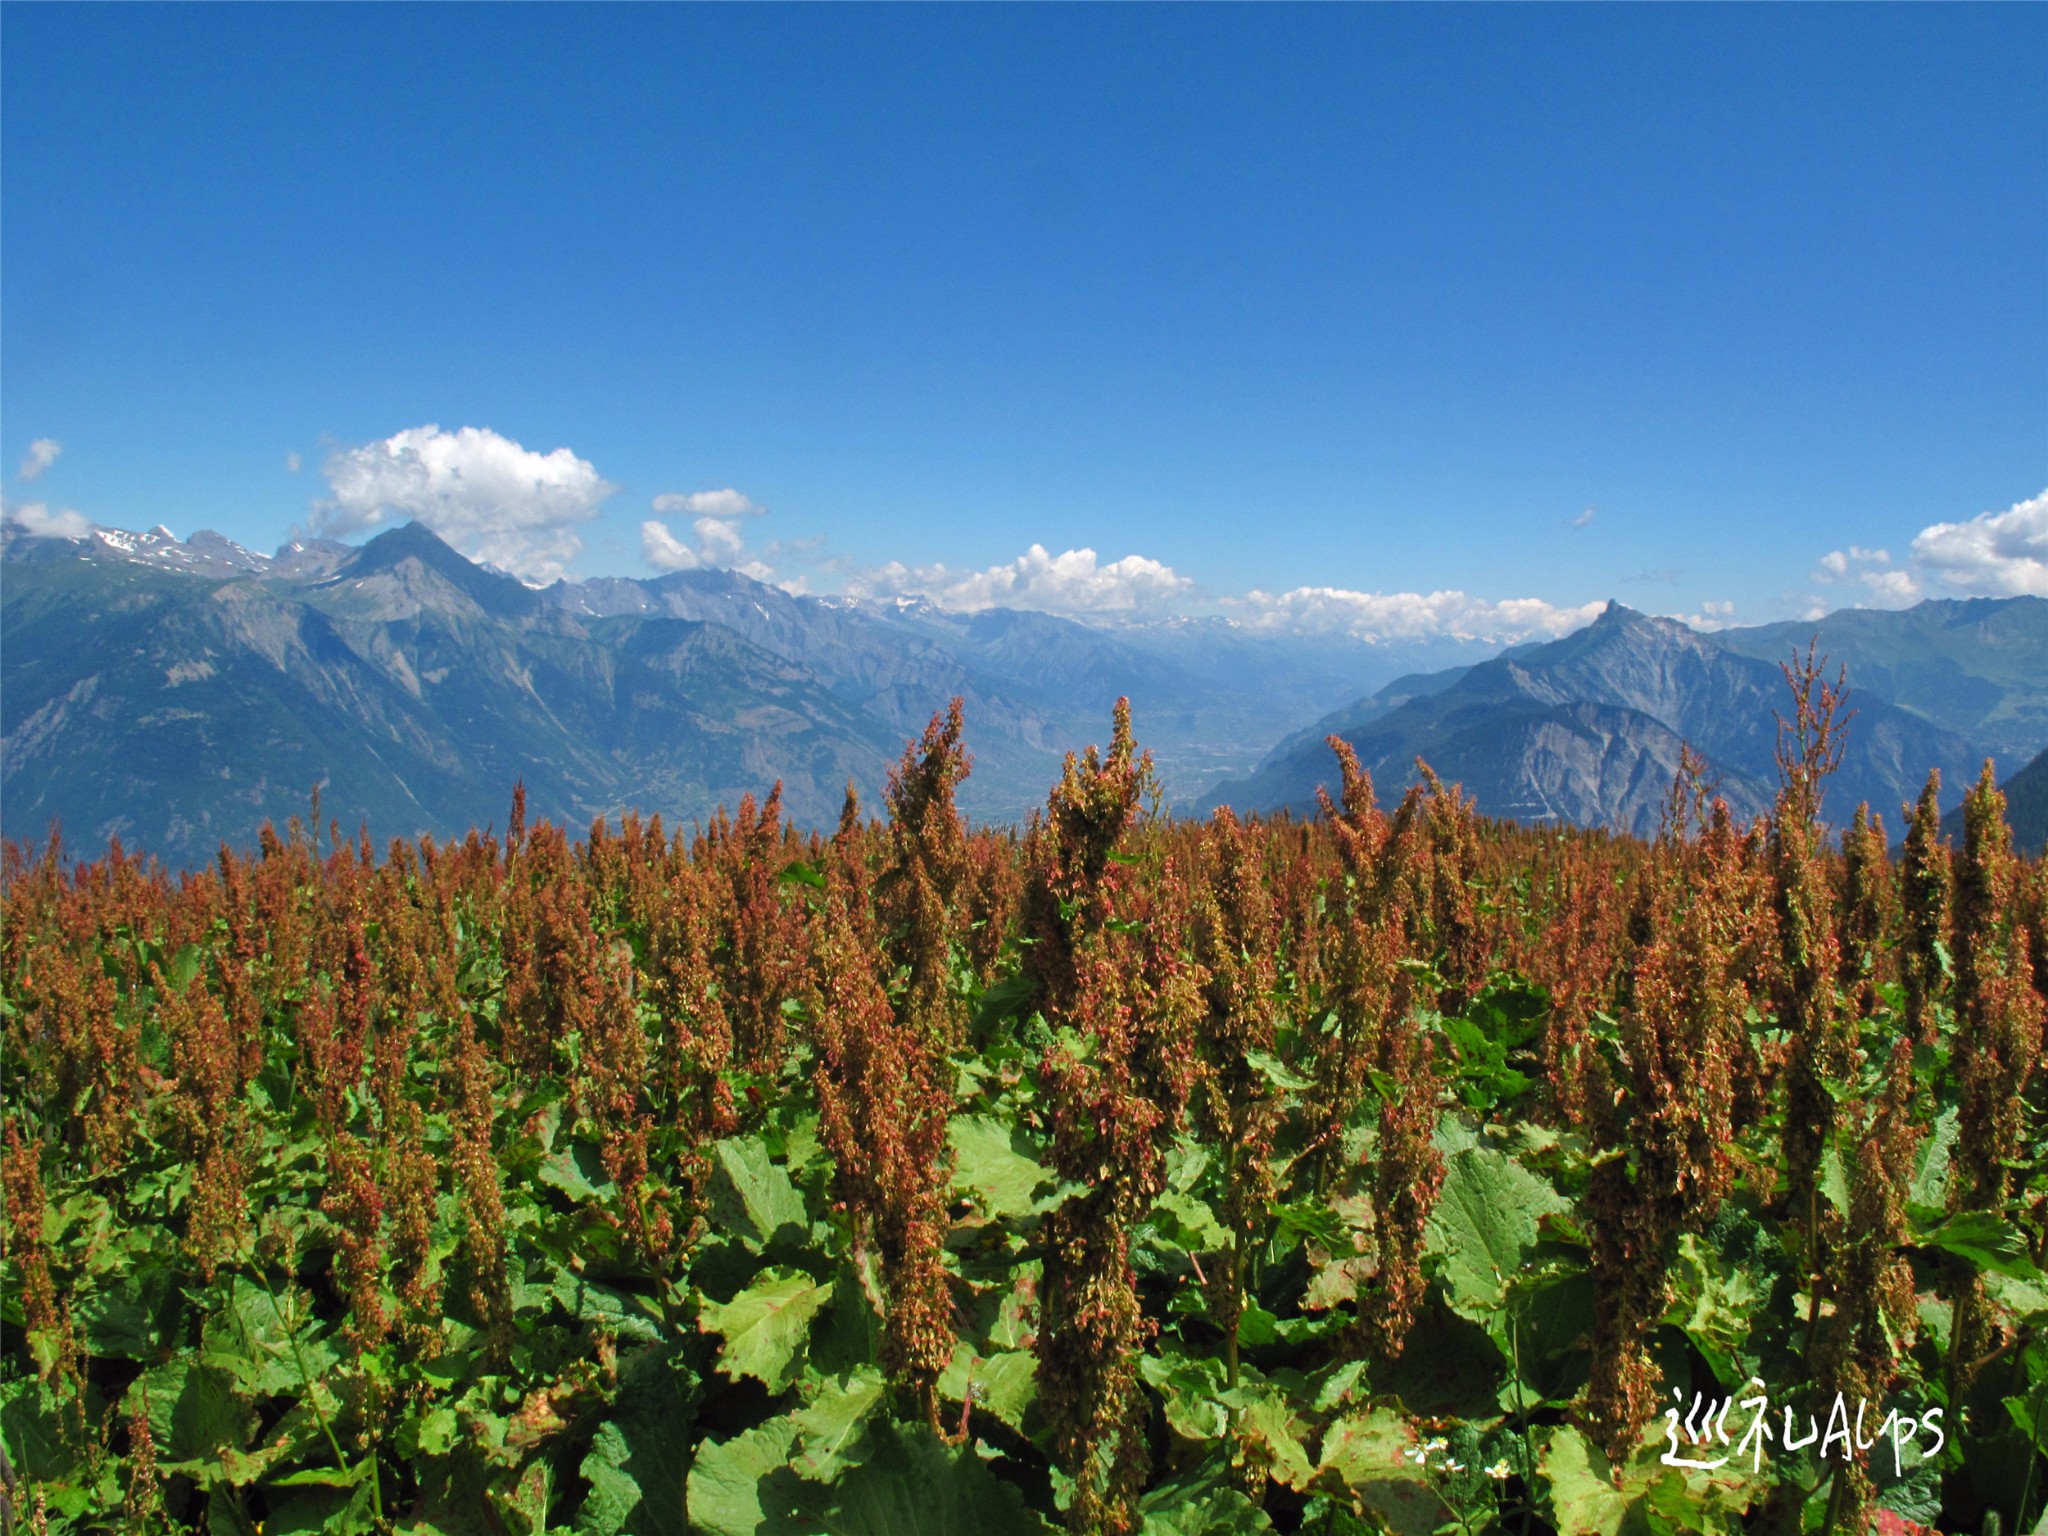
(1998,1045)
(1869,910)
(884,1099)
(920,893)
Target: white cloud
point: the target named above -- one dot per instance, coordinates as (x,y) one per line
(485,494)
(291,462)
(716,524)
(1887,585)
(1999,554)
(725,503)
(34,518)
(1412,615)
(1994,554)
(1585,518)
(42,453)
(1074,582)
(1712,615)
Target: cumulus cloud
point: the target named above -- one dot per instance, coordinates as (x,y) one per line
(1413,615)
(1994,554)
(725,503)
(34,518)
(485,494)
(1885,584)
(42,453)
(1074,582)
(715,519)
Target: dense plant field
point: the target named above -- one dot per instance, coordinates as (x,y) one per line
(1398,1171)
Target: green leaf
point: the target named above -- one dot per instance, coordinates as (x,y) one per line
(914,1485)
(832,1428)
(766,1326)
(614,1493)
(639,1463)
(1484,1225)
(1582,1495)
(32,1425)
(1190,1386)
(1367,1455)
(133,1317)
(752,1195)
(261,1348)
(606,1308)
(1713,1301)
(194,1417)
(1004,1384)
(578,1172)
(797,872)
(1201,1506)
(744,1487)
(1268,1431)
(1985,1240)
(1931,1163)
(992,1163)
(1276,1071)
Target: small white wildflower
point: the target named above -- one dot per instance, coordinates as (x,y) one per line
(1500,1471)
(1454,1466)
(1436,1445)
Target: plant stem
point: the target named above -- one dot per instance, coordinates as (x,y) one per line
(2019,1513)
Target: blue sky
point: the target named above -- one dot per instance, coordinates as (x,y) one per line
(1382,301)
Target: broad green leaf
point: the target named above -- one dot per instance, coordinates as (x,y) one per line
(1931,1162)
(1194,1223)
(1268,1432)
(578,1172)
(914,1485)
(1986,1240)
(1004,1384)
(327,1511)
(1191,1387)
(194,1416)
(31,1422)
(1713,1301)
(1484,1225)
(1201,1506)
(262,1349)
(1582,1495)
(1276,1071)
(639,1462)
(832,1427)
(132,1316)
(991,1164)
(744,1487)
(766,1326)
(751,1195)
(601,1306)
(1367,1455)
(614,1495)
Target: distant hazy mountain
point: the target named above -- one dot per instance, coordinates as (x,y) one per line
(177,692)
(1588,729)
(180,692)
(2026,808)
(1978,666)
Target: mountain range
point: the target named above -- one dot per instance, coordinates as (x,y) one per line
(176,693)
(1588,728)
